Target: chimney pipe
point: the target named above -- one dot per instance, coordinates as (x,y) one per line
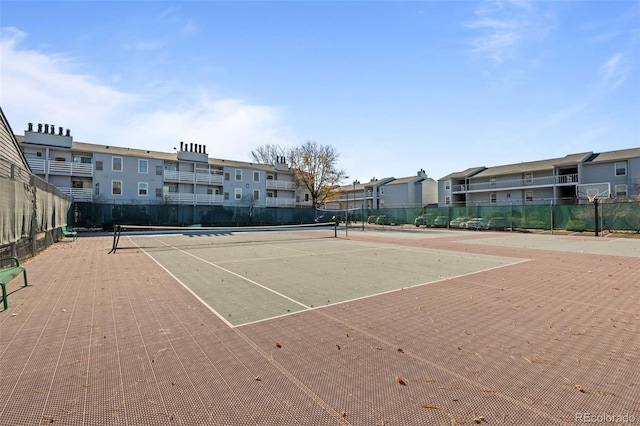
(46,128)
(30,127)
(39,127)
(53,129)
(60,131)
(190,146)
(204,149)
(68,133)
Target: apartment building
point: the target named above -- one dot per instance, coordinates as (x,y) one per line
(106,174)
(565,180)
(411,191)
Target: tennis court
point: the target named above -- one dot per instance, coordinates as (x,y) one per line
(246,276)
(385,327)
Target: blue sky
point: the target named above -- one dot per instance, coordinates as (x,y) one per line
(394,86)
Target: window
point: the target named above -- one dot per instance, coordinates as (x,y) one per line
(143,189)
(226,195)
(98,165)
(159,170)
(159,193)
(238,194)
(170,167)
(238,174)
(447,200)
(447,185)
(116,164)
(492,180)
(116,187)
(269,194)
(621,190)
(256,194)
(621,168)
(256,176)
(528,196)
(493,198)
(143,166)
(39,154)
(81,159)
(528,177)
(226,176)
(306,197)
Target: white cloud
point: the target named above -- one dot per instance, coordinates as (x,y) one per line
(614,71)
(504,26)
(55,89)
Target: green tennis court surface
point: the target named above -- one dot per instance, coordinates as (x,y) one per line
(255,280)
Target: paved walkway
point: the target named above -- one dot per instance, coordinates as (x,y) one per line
(100,339)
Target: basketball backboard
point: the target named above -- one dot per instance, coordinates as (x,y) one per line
(590,192)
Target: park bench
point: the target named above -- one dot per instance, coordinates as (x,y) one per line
(9,273)
(69,233)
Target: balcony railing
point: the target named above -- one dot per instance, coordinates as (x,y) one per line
(175,176)
(281,202)
(193,199)
(64,168)
(545,181)
(78,194)
(37,166)
(210,178)
(209,199)
(204,178)
(281,184)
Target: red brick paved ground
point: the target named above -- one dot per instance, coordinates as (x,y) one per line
(99,339)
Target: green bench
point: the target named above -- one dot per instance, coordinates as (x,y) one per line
(9,273)
(69,233)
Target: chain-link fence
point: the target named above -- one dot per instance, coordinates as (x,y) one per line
(106,215)
(31,213)
(618,216)
(613,215)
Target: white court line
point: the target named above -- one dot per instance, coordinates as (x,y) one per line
(309,308)
(386,292)
(237,275)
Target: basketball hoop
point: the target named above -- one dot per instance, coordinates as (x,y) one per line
(591,197)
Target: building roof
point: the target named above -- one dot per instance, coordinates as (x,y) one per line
(621,154)
(158,155)
(532,166)
(407,179)
(9,147)
(463,174)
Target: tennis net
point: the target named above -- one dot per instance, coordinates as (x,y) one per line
(194,236)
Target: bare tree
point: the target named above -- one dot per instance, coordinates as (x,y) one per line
(316,169)
(269,154)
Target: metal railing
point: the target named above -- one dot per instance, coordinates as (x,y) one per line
(571,179)
(78,194)
(280,202)
(281,184)
(64,168)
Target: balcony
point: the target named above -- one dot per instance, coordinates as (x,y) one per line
(78,194)
(175,176)
(210,178)
(545,181)
(200,177)
(281,202)
(193,199)
(60,168)
(208,199)
(281,184)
